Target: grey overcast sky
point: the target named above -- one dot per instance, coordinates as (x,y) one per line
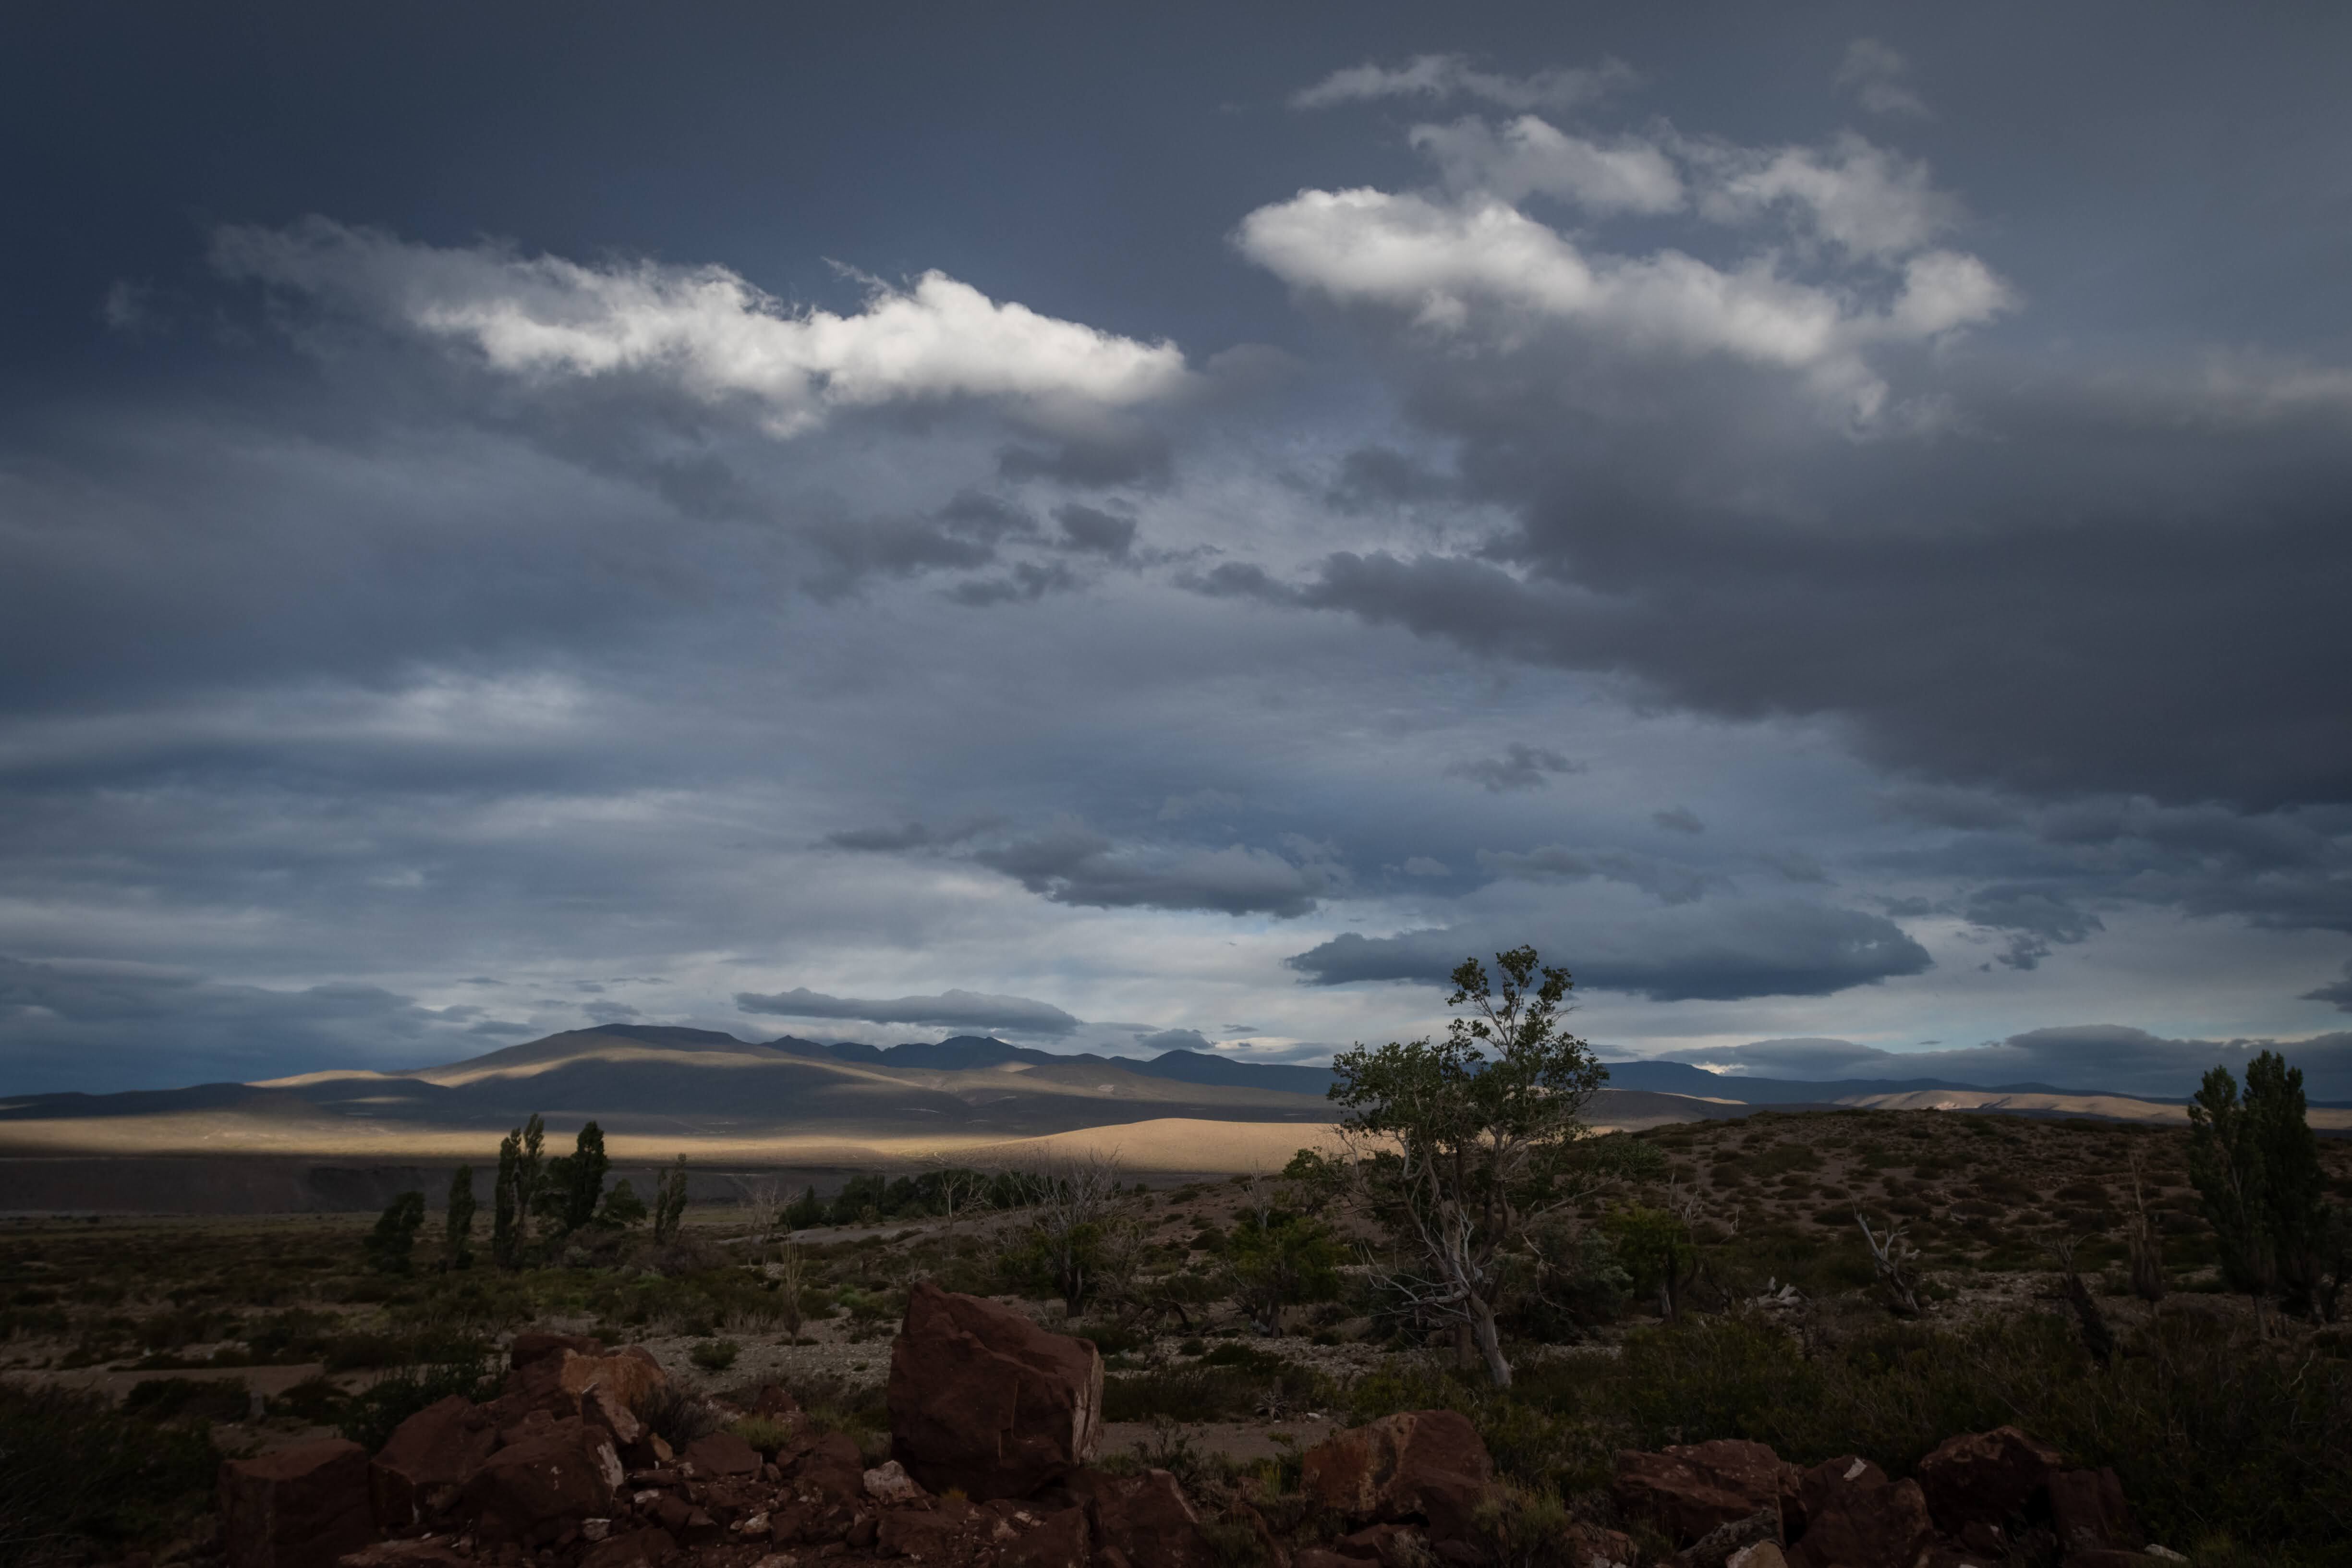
(1130,528)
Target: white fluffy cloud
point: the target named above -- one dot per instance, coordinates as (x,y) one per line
(1852,194)
(1470,264)
(712,334)
(1448,76)
(1527,156)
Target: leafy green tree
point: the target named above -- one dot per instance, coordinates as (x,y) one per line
(506,1243)
(1463,1143)
(622,1208)
(669,1201)
(1656,1250)
(388,1246)
(457,1219)
(585,1178)
(2255,1163)
(1278,1257)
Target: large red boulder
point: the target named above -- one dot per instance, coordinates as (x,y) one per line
(2088,1509)
(982,1399)
(533,1344)
(1866,1525)
(1689,1489)
(1984,1478)
(1421,1464)
(298,1508)
(536,1491)
(429,1458)
(1059,1540)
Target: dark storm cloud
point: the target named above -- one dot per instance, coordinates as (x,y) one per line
(909,835)
(2095,1057)
(1715,951)
(1666,880)
(2035,919)
(1076,865)
(1678,819)
(1092,530)
(1374,476)
(58,1019)
(1176,1040)
(2336,991)
(949,1009)
(1521,766)
(1026,583)
(1126,455)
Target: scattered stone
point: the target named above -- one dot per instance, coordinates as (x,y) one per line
(639,1549)
(1426,1464)
(298,1508)
(912,1532)
(1060,1539)
(722,1454)
(1763,1554)
(1144,1521)
(426,1553)
(890,1482)
(983,1400)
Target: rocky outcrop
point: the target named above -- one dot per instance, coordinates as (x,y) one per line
(1145,1521)
(1425,1465)
(536,1491)
(1692,1489)
(418,1474)
(984,1401)
(298,1508)
(1869,1523)
(1987,1478)
(2088,1512)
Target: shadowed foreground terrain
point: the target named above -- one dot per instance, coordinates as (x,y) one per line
(2231,1429)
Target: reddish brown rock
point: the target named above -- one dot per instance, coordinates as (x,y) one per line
(1817,1487)
(536,1491)
(1145,1521)
(1062,1540)
(775,1403)
(1390,1545)
(1882,1526)
(984,1400)
(2109,1557)
(425,1553)
(2088,1510)
(1689,1489)
(1985,1477)
(531,1346)
(427,1461)
(1422,1464)
(721,1454)
(1719,1545)
(639,1549)
(1320,1557)
(298,1508)
(917,1533)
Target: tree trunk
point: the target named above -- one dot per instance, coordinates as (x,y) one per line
(1490,1343)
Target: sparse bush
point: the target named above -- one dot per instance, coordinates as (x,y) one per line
(370,1416)
(78,1477)
(678,1411)
(764,1433)
(715,1355)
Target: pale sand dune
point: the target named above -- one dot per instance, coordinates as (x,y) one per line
(2117,1105)
(1171,1143)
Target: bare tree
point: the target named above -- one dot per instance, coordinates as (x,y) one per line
(2097,1338)
(1074,1196)
(792,1277)
(2147,1249)
(1894,1258)
(959,1184)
